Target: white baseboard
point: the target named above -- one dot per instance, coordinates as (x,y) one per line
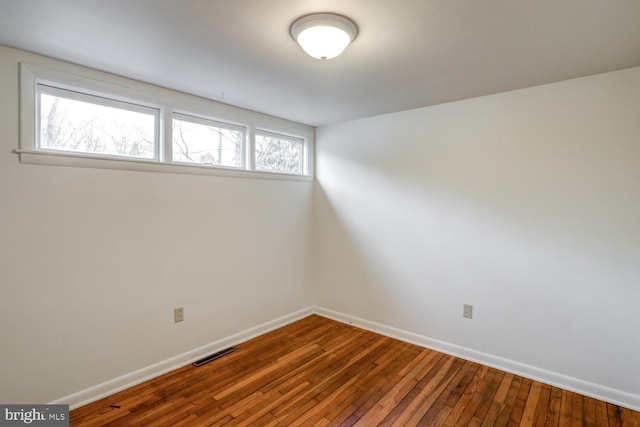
(597,391)
(123,382)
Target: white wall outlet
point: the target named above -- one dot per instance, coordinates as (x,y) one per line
(178,314)
(467,311)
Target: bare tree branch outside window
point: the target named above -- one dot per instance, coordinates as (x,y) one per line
(207,144)
(72,125)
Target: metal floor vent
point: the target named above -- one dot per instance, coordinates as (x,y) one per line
(214,356)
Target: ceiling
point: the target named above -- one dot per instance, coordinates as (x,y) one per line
(408,54)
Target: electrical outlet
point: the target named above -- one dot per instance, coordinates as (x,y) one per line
(467,311)
(178,314)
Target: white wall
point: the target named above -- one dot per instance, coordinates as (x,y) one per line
(525,204)
(93,261)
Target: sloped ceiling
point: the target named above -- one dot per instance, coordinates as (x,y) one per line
(408,54)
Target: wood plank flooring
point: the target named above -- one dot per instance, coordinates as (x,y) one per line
(317,372)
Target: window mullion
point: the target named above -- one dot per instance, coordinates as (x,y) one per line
(250,147)
(166,136)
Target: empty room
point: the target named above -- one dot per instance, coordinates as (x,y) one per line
(320,213)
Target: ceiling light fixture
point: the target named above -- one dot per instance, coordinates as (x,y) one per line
(324,35)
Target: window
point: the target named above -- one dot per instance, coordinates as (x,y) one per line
(207,142)
(73,116)
(81,123)
(279,153)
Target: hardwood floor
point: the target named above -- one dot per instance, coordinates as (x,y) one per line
(318,372)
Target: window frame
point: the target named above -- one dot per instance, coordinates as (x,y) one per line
(207,121)
(168,103)
(111,102)
(271,133)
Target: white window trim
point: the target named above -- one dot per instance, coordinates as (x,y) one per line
(84,161)
(168,102)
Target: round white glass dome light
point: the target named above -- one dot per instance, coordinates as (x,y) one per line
(324,35)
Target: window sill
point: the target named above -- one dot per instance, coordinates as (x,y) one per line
(84,161)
